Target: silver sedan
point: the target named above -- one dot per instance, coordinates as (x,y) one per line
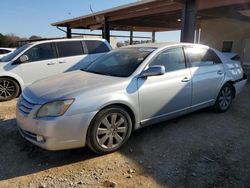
(125,90)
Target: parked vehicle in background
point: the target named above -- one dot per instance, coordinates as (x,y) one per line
(42,59)
(124,90)
(6,51)
(232,56)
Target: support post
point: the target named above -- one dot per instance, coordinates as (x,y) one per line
(103,34)
(69,33)
(153,36)
(197,33)
(106,30)
(188,21)
(131,37)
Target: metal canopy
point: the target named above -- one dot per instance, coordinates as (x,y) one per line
(158,15)
(137,16)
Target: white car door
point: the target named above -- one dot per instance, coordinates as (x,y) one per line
(207,73)
(71,56)
(167,94)
(42,62)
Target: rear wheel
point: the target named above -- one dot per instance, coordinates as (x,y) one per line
(9,89)
(109,130)
(224,98)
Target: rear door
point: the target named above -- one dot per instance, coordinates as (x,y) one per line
(207,74)
(96,48)
(71,55)
(42,63)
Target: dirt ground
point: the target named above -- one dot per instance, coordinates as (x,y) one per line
(202,149)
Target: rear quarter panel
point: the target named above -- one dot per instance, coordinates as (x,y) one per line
(233,69)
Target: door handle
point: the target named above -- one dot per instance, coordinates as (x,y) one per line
(220,72)
(61,62)
(50,63)
(185,79)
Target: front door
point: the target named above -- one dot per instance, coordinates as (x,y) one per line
(168,94)
(42,63)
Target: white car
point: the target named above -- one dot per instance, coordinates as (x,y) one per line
(38,60)
(6,51)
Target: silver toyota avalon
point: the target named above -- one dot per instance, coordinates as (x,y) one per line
(125,90)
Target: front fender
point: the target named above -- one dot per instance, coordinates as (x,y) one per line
(15,77)
(96,102)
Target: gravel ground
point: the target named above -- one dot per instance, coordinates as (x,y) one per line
(202,149)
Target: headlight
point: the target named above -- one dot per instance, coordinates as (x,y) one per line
(55,108)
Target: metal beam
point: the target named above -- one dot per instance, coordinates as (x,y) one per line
(131,37)
(106,30)
(188,21)
(69,33)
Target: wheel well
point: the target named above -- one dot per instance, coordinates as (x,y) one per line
(20,89)
(127,108)
(232,84)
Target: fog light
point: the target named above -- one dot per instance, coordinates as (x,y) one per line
(39,139)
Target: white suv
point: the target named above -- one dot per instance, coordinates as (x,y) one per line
(38,60)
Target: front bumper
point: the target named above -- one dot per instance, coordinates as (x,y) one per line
(64,132)
(239,84)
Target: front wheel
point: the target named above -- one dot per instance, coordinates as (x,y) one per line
(224,98)
(9,89)
(109,130)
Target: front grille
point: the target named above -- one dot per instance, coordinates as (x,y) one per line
(24,105)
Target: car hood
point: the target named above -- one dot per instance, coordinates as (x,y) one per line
(68,85)
(3,66)
(2,62)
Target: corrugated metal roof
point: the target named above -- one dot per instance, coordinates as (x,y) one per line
(104,12)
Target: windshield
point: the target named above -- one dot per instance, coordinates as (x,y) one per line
(120,63)
(13,54)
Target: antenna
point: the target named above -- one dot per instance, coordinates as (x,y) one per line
(91,8)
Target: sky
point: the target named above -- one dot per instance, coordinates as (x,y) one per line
(33,17)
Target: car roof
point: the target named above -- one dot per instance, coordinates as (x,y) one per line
(63,40)
(162,45)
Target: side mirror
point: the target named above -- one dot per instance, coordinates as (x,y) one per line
(24,58)
(153,71)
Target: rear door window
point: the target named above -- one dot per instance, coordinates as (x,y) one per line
(201,56)
(70,48)
(95,46)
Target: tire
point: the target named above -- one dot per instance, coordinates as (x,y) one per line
(109,130)
(9,89)
(224,99)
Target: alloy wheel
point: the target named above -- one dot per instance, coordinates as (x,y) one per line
(7,89)
(225,98)
(112,130)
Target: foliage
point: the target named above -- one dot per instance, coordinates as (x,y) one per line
(12,41)
(34,37)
